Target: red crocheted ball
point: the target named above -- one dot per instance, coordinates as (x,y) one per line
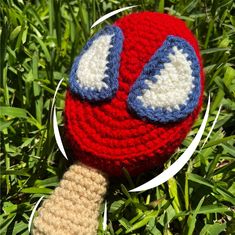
(110,134)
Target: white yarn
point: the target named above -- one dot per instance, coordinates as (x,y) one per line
(173,86)
(93,64)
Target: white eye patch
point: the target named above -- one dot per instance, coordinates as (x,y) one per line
(92,66)
(94,74)
(168,89)
(173,85)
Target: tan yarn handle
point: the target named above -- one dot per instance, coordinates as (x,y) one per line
(73,208)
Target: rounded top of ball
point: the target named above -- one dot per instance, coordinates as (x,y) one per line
(111,135)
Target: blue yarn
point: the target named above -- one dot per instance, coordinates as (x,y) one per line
(112,71)
(153,68)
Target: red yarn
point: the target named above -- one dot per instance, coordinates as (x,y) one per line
(106,135)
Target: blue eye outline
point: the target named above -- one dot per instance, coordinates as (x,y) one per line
(112,71)
(153,68)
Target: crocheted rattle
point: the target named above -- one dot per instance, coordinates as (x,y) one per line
(134,92)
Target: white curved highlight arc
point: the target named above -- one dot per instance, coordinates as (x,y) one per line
(54,97)
(213,125)
(55,123)
(180,162)
(33,212)
(57,134)
(112,13)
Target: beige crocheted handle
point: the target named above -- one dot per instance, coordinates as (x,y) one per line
(73,208)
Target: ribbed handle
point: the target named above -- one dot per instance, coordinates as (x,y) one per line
(73,208)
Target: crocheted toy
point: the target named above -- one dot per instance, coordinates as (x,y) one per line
(134,92)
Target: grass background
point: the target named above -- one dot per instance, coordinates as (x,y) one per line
(38,41)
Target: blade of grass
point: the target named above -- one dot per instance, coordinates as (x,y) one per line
(192,219)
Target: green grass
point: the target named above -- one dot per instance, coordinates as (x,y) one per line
(38,42)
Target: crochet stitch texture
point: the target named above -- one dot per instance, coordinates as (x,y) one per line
(93,77)
(168,89)
(73,208)
(135,91)
(108,135)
